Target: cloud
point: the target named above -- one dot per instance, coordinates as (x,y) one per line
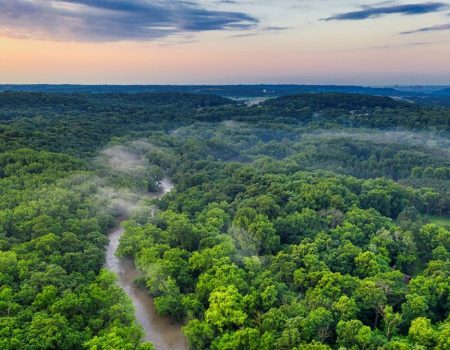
(436,28)
(112,20)
(425,43)
(373,12)
(261,31)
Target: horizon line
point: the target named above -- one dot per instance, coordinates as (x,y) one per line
(229,84)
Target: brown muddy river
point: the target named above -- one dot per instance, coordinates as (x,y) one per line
(161,331)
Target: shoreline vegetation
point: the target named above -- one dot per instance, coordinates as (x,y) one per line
(163,333)
(292,223)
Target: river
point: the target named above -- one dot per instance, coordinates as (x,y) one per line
(161,331)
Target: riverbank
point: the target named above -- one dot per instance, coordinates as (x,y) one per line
(162,332)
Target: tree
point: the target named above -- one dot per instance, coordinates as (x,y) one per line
(415,306)
(443,336)
(422,332)
(225,308)
(180,231)
(391,321)
(220,275)
(317,325)
(345,308)
(171,302)
(242,339)
(48,332)
(290,337)
(367,265)
(118,338)
(295,227)
(199,334)
(254,232)
(371,299)
(8,268)
(353,334)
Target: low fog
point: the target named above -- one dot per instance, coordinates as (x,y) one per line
(421,139)
(119,168)
(123,159)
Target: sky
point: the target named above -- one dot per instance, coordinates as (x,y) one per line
(225,42)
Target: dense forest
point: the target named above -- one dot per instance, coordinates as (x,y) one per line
(421,94)
(312,221)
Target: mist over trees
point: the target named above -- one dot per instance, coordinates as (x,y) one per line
(316,221)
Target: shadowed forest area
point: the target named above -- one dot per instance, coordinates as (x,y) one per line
(311,221)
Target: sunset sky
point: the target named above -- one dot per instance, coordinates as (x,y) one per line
(225,41)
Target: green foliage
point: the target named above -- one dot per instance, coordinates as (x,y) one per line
(53,293)
(302,223)
(337,276)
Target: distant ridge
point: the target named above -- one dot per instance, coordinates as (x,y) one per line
(235,91)
(345,101)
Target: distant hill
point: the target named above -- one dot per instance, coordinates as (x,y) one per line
(346,101)
(235,91)
(444,92)
(80,101)
(356,110)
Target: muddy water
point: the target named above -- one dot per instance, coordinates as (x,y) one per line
(161,331)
